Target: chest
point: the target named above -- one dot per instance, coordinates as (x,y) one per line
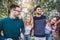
(28,28)
(12,24)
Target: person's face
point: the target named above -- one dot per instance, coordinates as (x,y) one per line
(28,18)
(53,21)
(38,11)
(16,12)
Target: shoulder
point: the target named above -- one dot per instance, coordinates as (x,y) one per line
(34,17)
(43,16)
(21,20)
(3,19)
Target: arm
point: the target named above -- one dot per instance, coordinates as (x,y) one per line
(1,25)
(1,28)
(24,24)
(32,30)
(57,24)
(22,30)
(22,27)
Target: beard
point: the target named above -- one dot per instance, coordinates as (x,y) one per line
(39,13)
(17,16)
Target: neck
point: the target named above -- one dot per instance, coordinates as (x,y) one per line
(28,23)
(13,17)
(38,15)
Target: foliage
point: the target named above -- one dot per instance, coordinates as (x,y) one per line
(47,6)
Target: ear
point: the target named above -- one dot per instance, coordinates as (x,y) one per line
(11,10)
(35,12)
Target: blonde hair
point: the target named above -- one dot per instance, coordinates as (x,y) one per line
(31,20)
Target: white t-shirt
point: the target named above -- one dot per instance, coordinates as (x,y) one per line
(28,29)
(54,28)
(48,29)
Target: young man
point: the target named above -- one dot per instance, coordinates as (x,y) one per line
(39,24)
(12,24)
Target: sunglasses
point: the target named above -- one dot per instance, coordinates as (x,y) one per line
(17,10)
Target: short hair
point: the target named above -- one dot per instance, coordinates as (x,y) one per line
(12,7)
(38,6)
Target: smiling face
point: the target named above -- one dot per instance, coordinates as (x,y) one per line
(28,18)
(15,11)
(53,20)
(38,11)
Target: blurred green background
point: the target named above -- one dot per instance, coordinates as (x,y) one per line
(50,7)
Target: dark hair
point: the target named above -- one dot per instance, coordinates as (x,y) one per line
(38,6)
(57,17)
(12,7)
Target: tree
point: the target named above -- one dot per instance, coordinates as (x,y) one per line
(46,5)
(4,5)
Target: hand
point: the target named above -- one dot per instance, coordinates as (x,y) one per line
(9,39)
(22,36)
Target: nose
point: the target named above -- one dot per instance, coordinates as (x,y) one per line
(18,13)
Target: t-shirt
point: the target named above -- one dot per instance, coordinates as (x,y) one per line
(48,29)
(28,29)
(39,26)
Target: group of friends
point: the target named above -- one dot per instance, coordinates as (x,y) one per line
(15,28)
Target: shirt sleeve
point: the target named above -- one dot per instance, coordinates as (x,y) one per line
(1,24)
(1,28)
(22,27)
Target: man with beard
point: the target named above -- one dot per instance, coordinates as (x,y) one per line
(11,25)
(39,24)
